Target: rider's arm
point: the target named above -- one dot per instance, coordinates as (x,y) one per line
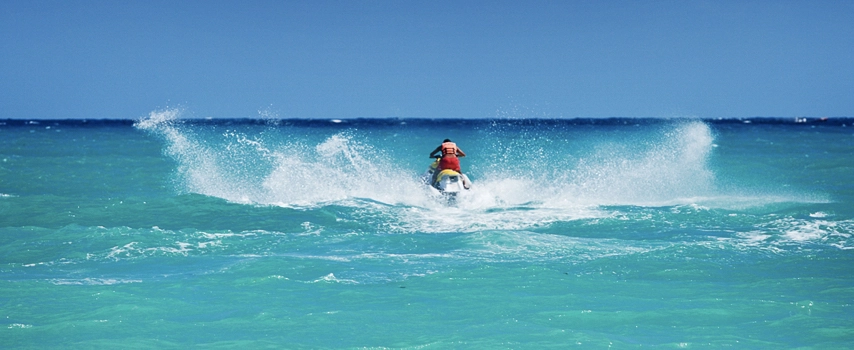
(460,153)
(437,150)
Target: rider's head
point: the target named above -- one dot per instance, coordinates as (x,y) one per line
(447,140)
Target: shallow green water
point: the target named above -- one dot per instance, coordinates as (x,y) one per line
(312,234)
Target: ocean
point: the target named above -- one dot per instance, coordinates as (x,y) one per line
(168,232)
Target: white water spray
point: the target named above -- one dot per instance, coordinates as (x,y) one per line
(250,169)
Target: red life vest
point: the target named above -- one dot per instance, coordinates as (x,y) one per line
(449,149)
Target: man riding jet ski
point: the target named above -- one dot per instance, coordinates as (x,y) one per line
(445,174)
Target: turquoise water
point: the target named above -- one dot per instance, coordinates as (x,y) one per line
(615,233)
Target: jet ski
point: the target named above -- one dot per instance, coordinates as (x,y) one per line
(448,182)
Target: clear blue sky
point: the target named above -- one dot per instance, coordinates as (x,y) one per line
(340,59)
